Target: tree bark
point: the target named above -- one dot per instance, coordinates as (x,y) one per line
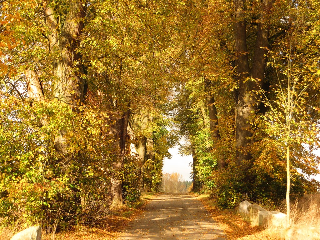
(35,91)
(34,87)
(141,147)
(52,24)
(196,185)
(214,128)
(116,179)
(259,60)
(70,86)
(213,115)
(116,184)
(244,107)
(249,80)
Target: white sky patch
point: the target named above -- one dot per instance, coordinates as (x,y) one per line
(179,164)
(316,177)
(133,150)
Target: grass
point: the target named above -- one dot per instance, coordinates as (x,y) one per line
(306,218)
(105,228)
(305,221)
(108,228)
(230,222)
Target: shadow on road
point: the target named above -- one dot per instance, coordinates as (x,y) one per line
(174,217)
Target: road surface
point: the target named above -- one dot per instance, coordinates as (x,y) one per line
(174,217)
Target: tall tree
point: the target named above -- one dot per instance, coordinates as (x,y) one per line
(249,78)
(92,64)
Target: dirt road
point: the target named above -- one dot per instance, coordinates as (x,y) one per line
(174,217)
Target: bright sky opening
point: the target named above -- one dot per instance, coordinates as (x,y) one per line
(179,164)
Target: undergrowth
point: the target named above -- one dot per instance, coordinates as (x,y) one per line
(305,219)
(99,227)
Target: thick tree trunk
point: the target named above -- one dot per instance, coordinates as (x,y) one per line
(244,107)
(116,180)
(35,91)
(141,148)
(116,184)
(259,60)
(214,128)
(69,86)
(196,185)
(249,80)
(52,24)
(213,115)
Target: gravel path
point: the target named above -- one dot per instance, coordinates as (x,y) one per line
(174,217)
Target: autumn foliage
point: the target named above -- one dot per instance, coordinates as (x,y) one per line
(248,101)
(92,94)
(77,78)
(173,183)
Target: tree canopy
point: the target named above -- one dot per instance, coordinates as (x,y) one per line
(90,91)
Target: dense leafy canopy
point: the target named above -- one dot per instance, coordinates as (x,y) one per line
(91,90)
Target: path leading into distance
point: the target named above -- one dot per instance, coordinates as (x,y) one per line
(174,217)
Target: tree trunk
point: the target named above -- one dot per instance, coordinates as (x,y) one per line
(214,128)
(141,148)
(213,115)
(259,60)
(116,184)
(195,178)
(35,91)
(249,81)
(70,86)
(244,105)
(116,179)
(52,24)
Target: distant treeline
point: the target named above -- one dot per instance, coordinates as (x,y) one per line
(173,183)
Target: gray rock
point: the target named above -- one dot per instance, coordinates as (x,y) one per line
(243,209)
(258,215)
(263,217)
(31,233)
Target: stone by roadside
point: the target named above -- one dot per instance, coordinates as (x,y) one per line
(31,233)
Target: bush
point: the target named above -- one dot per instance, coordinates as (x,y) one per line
(40,184)
(229,187)
(131,183)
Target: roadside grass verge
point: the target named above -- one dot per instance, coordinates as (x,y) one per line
(105,228)
(305,218)
(305,221)
(230,222)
